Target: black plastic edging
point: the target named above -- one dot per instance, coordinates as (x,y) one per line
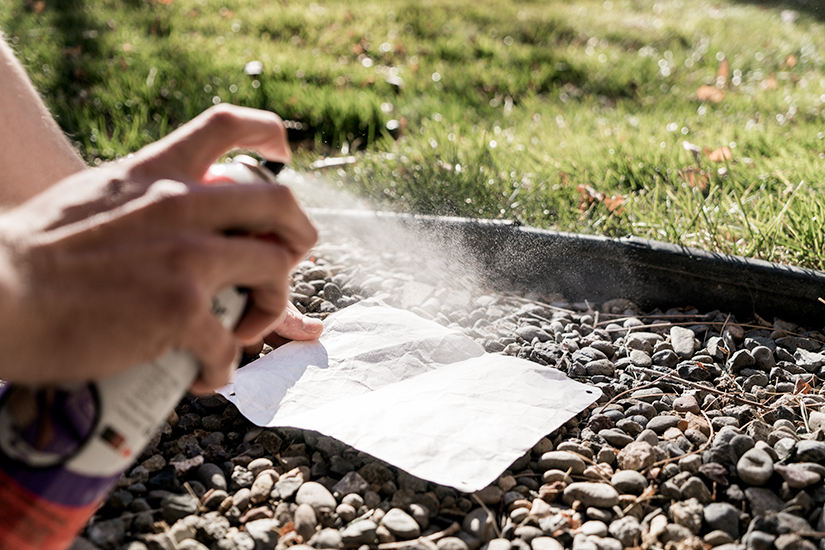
(585,267)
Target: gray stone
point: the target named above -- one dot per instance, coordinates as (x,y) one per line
(598,495)
(359,532)
(626,530)
(527,533)
(616,437)
(741,359)
(600,367)
(816,420)
(629,482)
(606,543)
(497,544)
(286,487)
(739,445)
(808,360)
(490,495)
(755,467)
(665,358)
(352,482)
(763,358)
(783,522)
(695,488)
(212,476)
(107,533)
(763,501)
(213,526)
(561,460)
(717,538)
(259,492)
(797,477)
(479,524)
(682,340)
(401,524)
(583,542)
(316,495)
(328,538)
(451,543)
(636,456)
(686,403)
(660,424)
(175,507)
(241,477)
(688,514)
(791,541)
(306,521)
(724,517)
(674,532)
(242,499)
(529,332)
(784,447)
(649,437)
(259,465)
(810,451)
(640,359)
(759,540)
(594,527)
(264,532)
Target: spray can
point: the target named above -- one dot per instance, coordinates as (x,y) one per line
(63,447)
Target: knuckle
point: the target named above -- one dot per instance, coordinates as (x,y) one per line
(171,200)
(222,116)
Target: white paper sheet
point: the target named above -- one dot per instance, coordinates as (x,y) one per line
(408,391)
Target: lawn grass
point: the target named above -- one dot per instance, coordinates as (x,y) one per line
(693,122)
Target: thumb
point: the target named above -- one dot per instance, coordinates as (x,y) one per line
(292,325)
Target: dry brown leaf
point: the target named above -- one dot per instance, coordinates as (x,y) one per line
(770,84)
(288,528)
(710,93)
(695,177)
(39,6)
(614,204)
(722,72)
(565,180)
(72,52)
(801,387)
(790,61)
(587,196)
(719,155)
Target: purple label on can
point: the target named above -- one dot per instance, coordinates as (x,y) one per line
(42,428)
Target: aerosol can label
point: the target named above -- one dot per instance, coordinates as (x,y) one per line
(62,448)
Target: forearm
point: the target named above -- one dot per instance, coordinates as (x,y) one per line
(34,152)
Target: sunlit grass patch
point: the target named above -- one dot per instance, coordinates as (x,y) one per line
(589,116)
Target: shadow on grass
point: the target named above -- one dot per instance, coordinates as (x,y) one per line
(812,8)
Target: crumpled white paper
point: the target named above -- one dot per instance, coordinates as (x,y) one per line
(410,392)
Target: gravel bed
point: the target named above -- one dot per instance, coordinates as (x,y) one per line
(709,433)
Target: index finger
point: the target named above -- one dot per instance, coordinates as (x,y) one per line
(187,153)
(255,209)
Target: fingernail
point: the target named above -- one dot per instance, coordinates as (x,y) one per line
(312,326)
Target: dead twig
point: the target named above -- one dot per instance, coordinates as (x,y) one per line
(489,513)
(710,389)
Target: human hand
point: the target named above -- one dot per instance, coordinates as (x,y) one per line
(291,325)
(115,266)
